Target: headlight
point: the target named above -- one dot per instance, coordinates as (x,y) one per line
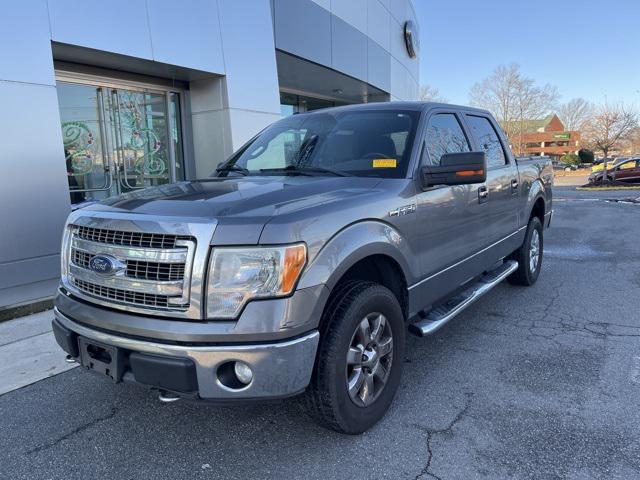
(236,275)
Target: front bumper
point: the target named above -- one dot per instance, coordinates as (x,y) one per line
(280,369)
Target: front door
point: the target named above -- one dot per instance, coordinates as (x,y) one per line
(118,139)
(450,218)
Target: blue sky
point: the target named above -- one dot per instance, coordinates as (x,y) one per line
(587,48)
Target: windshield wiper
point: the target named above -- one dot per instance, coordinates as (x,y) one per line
(232,168)
(330,171)
(288,170)
(308,171)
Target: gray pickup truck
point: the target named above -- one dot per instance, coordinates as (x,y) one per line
(299,265)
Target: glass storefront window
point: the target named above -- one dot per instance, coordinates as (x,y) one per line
(119,139)
(291,103)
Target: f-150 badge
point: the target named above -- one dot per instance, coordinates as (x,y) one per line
(404,210)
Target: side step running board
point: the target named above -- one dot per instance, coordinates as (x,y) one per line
(439,316)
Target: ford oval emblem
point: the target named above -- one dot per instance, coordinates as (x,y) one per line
(411,39)
(104,264)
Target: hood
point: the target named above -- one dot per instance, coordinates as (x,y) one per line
(237,197)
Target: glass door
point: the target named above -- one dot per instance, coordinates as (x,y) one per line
(118,139)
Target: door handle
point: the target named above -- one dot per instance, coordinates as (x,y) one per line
(483,194)
(514,184)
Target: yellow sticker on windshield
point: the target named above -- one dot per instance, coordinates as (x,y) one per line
(385,163)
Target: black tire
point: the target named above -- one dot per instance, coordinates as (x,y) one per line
(327,399)
(525,274)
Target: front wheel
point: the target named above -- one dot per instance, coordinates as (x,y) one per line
(529,255)
(359,361)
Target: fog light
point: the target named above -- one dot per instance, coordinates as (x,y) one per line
(243,372)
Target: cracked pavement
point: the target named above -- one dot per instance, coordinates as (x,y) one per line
(529,383)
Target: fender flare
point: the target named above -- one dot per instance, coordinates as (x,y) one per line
(536,191)
(352,244)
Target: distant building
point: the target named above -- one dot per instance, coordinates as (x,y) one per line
(548,136)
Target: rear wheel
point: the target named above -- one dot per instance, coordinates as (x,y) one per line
(529,255)
(359,361)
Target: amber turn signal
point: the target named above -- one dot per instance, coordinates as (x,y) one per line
(295,258)
(469,173)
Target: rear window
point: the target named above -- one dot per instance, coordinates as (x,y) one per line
(487,139)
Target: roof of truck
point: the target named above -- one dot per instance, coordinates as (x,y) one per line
(420,106)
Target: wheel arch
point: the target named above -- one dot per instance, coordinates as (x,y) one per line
(371,250)
(537,201)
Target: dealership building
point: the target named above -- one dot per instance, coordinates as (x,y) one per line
(97,101)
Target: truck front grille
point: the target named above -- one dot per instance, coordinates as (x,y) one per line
(150,270)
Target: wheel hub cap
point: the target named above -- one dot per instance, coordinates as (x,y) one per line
(369,359)
(534,251)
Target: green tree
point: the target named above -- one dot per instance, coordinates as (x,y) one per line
(570,159)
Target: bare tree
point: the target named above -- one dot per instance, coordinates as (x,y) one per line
(610,125)
(429,93)
(513,99)
(575,114)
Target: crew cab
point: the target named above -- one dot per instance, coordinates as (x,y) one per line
(297,268)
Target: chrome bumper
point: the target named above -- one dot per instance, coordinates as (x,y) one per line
(280,369)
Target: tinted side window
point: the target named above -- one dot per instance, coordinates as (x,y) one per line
(444,135)
(487,139)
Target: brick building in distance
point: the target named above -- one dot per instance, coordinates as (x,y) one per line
(548,137)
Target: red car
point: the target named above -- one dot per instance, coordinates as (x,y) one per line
(627,171)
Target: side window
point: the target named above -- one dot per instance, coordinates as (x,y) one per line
(487,139)
(444,135)
(626,165)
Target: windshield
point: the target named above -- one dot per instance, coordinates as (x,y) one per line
(371,143)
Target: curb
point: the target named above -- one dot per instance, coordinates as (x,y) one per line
(24,309)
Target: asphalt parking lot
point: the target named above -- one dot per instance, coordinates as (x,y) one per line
(539,383)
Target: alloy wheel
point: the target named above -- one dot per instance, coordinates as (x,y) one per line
(369,359)
(534,251)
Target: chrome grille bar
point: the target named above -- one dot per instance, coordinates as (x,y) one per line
(123,296)
(137,268)
(174,255)
(169,289)
(134,239)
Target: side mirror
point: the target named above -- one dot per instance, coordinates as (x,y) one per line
(456,169)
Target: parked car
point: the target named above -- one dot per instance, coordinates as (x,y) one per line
(625,171)
(297,268)
(558,165)
(611,162)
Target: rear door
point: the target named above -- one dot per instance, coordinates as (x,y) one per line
(502,185)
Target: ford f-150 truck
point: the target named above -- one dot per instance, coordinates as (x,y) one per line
(299,265)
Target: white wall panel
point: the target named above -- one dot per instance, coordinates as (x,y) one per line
(34,198)
(186,34)
(249,55)
(349,49)
(323,3)
(118,26)
(354,12)
(378,23)
(25,51)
